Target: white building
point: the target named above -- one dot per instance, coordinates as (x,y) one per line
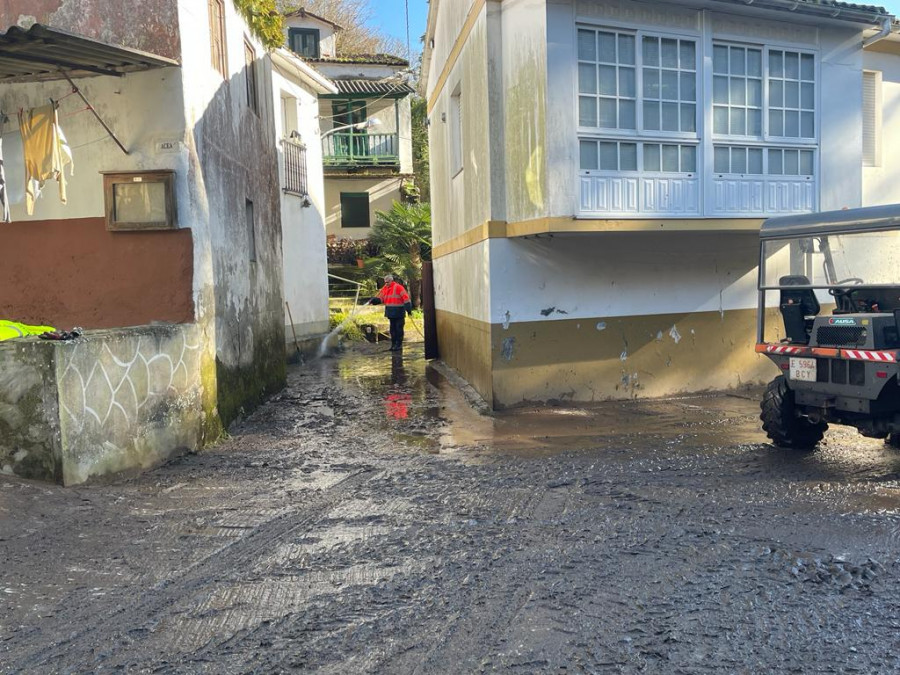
(365,126)
(600,169)
(297,87)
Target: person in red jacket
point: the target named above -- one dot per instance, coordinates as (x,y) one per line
(396,306)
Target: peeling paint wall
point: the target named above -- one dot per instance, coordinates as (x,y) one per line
(149,25)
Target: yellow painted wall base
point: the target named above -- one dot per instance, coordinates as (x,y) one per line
(605,358)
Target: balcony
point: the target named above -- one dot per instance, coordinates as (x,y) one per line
(361,149)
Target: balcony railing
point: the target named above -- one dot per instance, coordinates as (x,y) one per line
(295,180)
(361,149)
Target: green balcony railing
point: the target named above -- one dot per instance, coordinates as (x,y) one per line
(361,149)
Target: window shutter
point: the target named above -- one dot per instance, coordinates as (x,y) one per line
(870,113)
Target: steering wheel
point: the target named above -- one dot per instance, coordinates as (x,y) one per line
(856,281)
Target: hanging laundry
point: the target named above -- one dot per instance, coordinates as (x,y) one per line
(46,152)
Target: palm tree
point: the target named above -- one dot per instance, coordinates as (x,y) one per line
(403,237)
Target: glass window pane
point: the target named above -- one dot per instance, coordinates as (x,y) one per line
(688,117)
(754,62)
(669,53)
(688,55)
(670,84)
(754,92)
(776,93)
(626,49)
(609,157)
(587,111)
(139,202)
(627,116)
(806,163)
(651,83)
(607,47)
(670,117)
(807,67)
(688,87)
(651,115)
(720,60)
(754,122)
(587,45)
(738,122)
(737,91)
(720,120)
(792,65)
(628,156)
(688,159)
(670,158)
(721,162)
(720,89)
(792,124)
(808,96)
(807,125)
(791,95)
(608,113)
(776,123)
(587,78)
(737,61)
(627,85)
(739,160)
(651,51)
(776,64)
(588,151)
(608,80)
(754,161)
(791,165)
(775,162)
(651,157)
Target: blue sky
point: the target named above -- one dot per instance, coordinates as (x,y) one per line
(390,16)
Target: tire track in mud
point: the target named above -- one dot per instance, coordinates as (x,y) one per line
(84,646)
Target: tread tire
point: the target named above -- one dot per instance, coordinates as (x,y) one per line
(781,425)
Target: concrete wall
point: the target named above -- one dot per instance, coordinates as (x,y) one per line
(383,192)
(880,184)
(150,25)
(302,220)
(232,157)
(111,402)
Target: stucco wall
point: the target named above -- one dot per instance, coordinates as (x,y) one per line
(232,157)
(303,227)
(150,25)
(880,183)
(383,192)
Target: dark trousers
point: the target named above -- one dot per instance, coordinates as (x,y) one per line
(397,332)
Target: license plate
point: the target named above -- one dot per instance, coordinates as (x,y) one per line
(803,370)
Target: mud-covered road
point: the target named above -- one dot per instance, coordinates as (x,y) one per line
(369,520)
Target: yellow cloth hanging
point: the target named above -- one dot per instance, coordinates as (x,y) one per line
(46,152)
(13,329)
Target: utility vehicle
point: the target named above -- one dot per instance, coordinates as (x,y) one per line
(835,280)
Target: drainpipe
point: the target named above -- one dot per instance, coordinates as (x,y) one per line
(883,33)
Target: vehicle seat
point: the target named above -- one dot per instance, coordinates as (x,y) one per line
(798,307)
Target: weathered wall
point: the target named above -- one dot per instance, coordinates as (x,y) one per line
(303,227)
(74,273)
(148,25)
(29,411)
(232,157)
(383,192)
(880,184)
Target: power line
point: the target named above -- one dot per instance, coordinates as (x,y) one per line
(408,48)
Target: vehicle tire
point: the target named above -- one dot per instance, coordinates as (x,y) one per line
(893,440)
(781,424)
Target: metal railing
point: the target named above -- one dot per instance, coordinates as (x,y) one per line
(295,178)
(354,148)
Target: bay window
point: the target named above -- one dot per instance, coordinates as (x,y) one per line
(644,148)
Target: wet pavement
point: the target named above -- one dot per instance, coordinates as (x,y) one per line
(371,520)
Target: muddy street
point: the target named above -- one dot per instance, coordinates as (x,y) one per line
(369,519)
